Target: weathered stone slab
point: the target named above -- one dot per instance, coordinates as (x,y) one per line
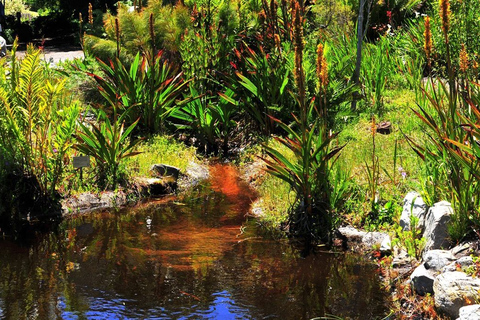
(453,290)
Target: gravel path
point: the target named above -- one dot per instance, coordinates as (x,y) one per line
(55,50)
(54,55)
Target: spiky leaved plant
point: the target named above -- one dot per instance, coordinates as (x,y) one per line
(310,141)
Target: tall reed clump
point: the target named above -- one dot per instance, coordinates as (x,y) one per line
(312,216)
(37,124)
(453,146)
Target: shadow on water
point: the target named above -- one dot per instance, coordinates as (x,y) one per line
(25,210)
(195,259)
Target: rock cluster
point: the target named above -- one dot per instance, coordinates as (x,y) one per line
(446,273)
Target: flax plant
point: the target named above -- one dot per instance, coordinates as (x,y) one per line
(264,81)
(309,173)
(148,89)
(109,143)
(452,120)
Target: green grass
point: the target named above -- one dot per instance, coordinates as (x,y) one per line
(275,195)
(392,184)
(160,149)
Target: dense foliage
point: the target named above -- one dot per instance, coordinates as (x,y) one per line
(224,75)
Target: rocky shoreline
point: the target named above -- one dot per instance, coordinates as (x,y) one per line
(165,180)
(445,272)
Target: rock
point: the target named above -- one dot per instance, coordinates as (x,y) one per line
(384,127)
(367,239)
(469,312)
(402,259)
(436,232)
(461,264)
(386,245)
(462,250)
(374,239)
(86,202)
(465,262)
(413,204)
(351,234)
(154,187)
(435,260)
(422,280)
(163,170)
(450,267)
(194,174)
(454,290)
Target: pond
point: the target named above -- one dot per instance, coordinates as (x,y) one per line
(196,259)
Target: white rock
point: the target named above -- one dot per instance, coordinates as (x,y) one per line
(436,231)
(435,260)
(413,204)
(470,312)
(453,290)
(386,245)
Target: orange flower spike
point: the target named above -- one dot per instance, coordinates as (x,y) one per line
(322,68)
(278,42)
(445,14)
(90,14)
(299,45)
(428,39)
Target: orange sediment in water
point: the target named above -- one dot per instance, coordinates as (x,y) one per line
(224,179)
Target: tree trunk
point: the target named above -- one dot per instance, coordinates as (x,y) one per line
(356,73)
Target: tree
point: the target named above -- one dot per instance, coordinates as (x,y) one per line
(360,35)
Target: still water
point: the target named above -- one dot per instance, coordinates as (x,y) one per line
(199,258)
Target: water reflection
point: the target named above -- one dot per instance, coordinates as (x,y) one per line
(195,260)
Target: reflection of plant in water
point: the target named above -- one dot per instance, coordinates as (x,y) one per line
(43,280)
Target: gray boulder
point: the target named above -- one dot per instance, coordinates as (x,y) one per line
(462,250)
(469,312)
(366,239)
(413,204)
(422,280)
(163,170)
(351,234)
(461,264)
(454,290)
(401,259)
(436,232)
(435,260)
(374,239)
(386,245)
